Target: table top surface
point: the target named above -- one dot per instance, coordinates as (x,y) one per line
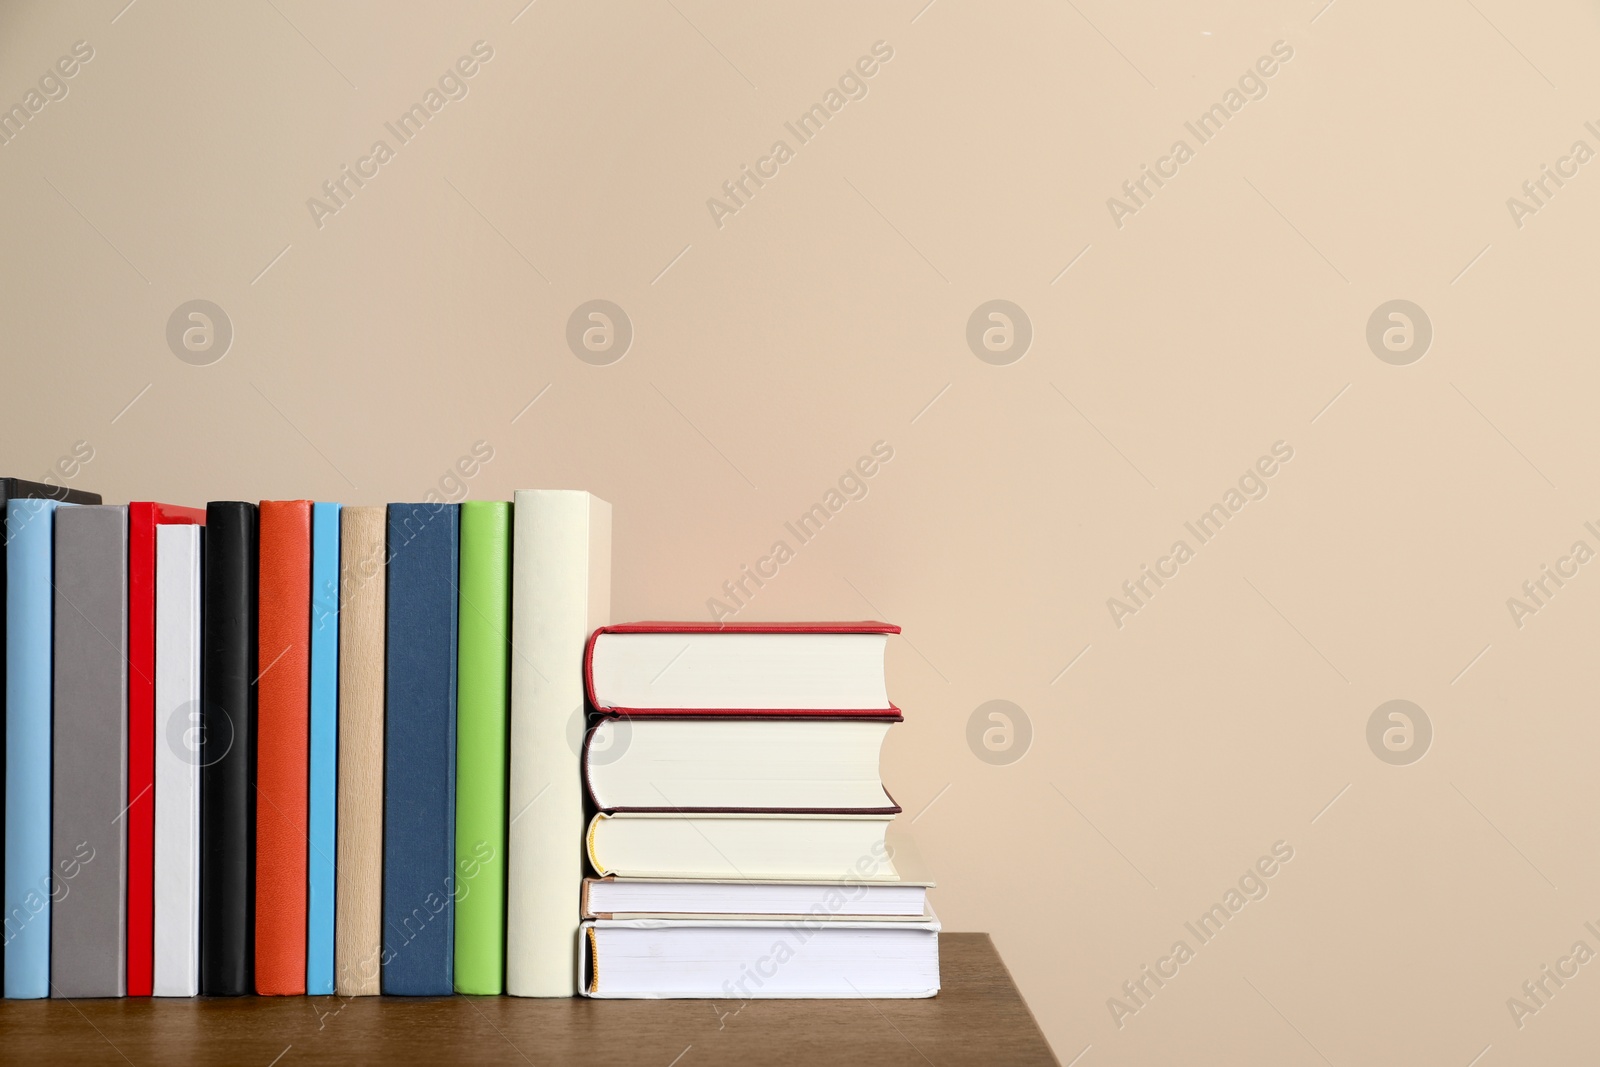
(978,1017)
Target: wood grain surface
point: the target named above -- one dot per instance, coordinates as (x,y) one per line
(979,1018)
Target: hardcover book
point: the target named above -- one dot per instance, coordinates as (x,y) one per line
(322,799)
(771,668)
(419,886)
(801,764)
(29,563)
(143,519)
(482,746)
(283,746)
(227,749)
(26,883)
(734,845)
(89,920)
(750,959)
(358,900)
(560,592)
(176,921)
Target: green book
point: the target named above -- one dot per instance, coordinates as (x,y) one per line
(482,746)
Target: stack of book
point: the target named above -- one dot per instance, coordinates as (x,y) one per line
(741,834)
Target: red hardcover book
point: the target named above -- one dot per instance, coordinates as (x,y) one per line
(283,719)
(143,518)
(760,669)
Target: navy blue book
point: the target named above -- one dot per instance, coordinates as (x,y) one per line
(419,784)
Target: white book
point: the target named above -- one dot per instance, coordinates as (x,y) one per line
(789,765)
(644,898)
(733,669)
(177,793)
(560,594)
(753,959)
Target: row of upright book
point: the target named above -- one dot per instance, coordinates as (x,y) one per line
(273,748)
(296,747)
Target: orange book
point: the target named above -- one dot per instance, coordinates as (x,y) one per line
(283,700)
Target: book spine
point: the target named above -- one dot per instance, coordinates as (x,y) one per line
(358,928)
(324,757)
(88,922)
(175,968)
(419,751)
(282,753)
(141,800)
(227,749)
(482,739)
(29,554)
(561,592)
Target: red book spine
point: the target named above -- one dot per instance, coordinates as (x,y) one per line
(283,746)
(143,517)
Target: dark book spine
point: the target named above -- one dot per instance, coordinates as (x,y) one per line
(226,750)
(420,756)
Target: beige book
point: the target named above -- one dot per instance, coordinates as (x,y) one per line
(560,594)
(358,936)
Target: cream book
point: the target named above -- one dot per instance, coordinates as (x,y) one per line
(857,894)
(560,594)
(719,845)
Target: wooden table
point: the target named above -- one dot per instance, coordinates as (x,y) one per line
(979,1018)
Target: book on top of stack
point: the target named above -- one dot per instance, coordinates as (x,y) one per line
(741,835)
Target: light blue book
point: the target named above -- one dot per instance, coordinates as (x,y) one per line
(324,773)
(29,557)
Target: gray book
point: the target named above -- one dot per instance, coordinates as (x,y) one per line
(89,839)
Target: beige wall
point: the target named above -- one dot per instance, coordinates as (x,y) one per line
(1226,314)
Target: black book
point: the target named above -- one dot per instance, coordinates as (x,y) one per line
(228,750)
(20,489)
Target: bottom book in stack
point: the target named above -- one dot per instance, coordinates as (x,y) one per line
(869,934)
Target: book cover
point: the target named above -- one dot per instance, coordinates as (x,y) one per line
(420,751)
(227,749)
(88,921)
(798,765)
(143,518)
(697,629)
(21,489)
(282,746)
(741,959)
(321,808)
(29,562)
(175,962)
(358,899)
(560,593)
(482,746)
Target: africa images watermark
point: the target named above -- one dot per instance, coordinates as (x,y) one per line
(1538,192)
(1538,590)
(852,85)
(51,88)
(853,884)
(851,485)
(1536,992)
(1252,85)
(1252,886)
(1252,485)
(453,84)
